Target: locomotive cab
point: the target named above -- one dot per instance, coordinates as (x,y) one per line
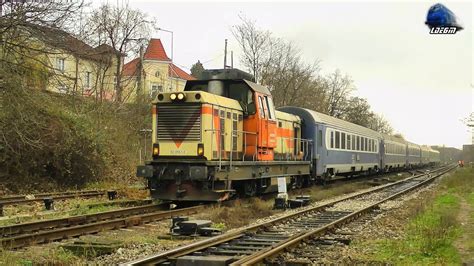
(259,118)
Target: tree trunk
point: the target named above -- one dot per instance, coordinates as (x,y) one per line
(118,89)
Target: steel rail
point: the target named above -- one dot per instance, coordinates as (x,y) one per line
(272,251)
(200,245)
(21,199)
(30,227)
(93,227)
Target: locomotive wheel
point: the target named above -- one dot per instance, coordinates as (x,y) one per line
(250,188)
(298,182)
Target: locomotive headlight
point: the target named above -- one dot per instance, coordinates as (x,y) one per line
(200,149)
(173,96)
(156,150)
(180,96)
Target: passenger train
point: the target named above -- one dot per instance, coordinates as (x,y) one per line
(222,136)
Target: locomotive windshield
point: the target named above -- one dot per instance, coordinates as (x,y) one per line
(236,90)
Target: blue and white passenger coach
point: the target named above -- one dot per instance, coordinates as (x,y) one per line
(339,148)
(394,153)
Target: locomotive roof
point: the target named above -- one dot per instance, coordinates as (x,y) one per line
(337,123)
(257,87)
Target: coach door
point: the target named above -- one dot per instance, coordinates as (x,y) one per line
(266,127)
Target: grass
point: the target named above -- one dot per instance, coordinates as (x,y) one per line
(65,208)
(57,256)
(434,233)
(240,213)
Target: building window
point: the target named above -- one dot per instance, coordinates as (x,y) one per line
(155,89)
(60,64)
(88,80)
(62,89)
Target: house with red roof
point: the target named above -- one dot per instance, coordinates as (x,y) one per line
(159,74)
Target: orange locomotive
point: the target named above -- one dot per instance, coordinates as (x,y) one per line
(222,136)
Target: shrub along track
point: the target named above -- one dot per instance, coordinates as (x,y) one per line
(252,244)
(22,235)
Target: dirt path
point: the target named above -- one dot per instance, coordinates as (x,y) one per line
(466,220)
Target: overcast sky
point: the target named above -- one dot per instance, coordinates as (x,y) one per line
(420,83)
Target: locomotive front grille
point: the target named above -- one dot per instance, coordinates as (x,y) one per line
(179,122)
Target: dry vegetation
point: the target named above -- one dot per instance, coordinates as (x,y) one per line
(59,142)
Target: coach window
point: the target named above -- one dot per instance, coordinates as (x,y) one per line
(343,141)
(353,142)
(348,141)
(320,138)
(366,142)
(371,145)
(262,109)
(332,139)
(358,143)
(338,139)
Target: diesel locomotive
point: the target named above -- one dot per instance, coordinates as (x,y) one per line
(222,136)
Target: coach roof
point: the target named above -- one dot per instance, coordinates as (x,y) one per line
(319,118)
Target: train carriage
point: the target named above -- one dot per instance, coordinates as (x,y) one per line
(413,155)
(425,155)
(340,148)
(434,157)
(393,152)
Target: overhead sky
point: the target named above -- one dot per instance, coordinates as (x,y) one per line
(421,83)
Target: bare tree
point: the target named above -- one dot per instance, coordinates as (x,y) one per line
(123,28)
(338,88)
(19,24)
(357,111)
(255,44)
(380,124)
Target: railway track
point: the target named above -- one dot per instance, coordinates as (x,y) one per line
(253,244)
(23,199)
(22,235)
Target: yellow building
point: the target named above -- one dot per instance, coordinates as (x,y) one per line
(159,73)
(76,67)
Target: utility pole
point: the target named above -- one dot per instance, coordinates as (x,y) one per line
(225,57)
(140,73)
(225,54)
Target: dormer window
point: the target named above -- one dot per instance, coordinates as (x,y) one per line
(157,74)
(60,64)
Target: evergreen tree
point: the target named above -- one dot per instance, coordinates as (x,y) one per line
(197,69)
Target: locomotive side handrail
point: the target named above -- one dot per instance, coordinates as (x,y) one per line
(305,147)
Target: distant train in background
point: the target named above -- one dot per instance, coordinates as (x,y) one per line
(222,136)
